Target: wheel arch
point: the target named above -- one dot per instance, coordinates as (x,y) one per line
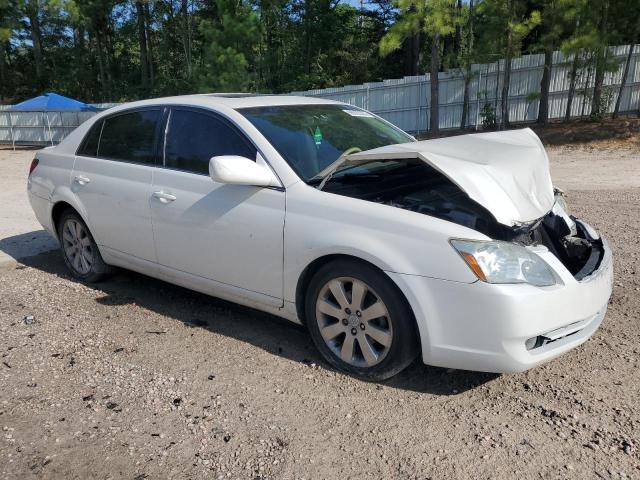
(309,271)
(57,210)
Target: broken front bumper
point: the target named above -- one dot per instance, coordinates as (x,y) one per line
(507,328)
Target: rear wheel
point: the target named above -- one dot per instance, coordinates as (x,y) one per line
(360,321)
(79,249)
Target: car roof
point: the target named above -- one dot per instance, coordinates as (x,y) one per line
(230,100)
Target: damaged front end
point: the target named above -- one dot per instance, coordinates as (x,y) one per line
(574,243)
(416,186)
(497,183)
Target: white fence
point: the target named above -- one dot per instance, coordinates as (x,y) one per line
(40,128)
(405,102)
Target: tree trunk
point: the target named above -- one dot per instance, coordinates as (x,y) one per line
(596,105)
(496,93)
(413,54)
(601,62)
(585,88)
(270,49)
(504,105)
(434,123)
(113,67)
(306,22)
(147,24)
(616,110)
(465,100)
(142,40)
(3,73)
(102,67)
(467,74)
(186,35)
(457,39)
(81,42)
(36,38)
(572,86)
(545,84)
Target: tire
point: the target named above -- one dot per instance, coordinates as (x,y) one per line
(79,249)
(348,343)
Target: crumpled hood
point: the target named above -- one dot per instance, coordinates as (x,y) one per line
(505,172)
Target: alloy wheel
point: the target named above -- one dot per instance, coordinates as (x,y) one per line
(354,322)
(76,245)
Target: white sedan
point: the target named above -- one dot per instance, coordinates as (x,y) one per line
(458,249)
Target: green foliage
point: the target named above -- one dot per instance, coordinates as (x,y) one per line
(433,17)
(488,116)
(91,49)
(607,96)
(229,43)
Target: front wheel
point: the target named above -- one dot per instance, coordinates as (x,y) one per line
(360,321)
(79,249)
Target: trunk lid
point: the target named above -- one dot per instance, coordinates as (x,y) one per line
(505,172)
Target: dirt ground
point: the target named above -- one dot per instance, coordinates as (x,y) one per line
(135,378)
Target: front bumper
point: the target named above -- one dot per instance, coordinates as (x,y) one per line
(485,327)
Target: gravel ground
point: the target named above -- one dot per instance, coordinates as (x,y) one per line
(20,233)
(135,378)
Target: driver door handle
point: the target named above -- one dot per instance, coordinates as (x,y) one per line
(164,197)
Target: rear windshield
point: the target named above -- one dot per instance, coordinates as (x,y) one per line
(312,137)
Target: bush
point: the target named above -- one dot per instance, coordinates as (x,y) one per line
(488,116)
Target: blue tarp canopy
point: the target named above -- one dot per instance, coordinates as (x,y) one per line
(52,102)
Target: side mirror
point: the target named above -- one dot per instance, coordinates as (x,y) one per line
(237,170)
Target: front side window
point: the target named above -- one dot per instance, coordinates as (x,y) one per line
(312,137)
(130,136)
(192,138)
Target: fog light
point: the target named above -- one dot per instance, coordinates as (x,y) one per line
(531,343)
(536,342)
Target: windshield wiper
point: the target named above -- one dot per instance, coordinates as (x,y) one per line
(326,173)
(326,178)
(346,178)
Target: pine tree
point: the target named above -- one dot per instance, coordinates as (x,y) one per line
(229,44)
(436,19)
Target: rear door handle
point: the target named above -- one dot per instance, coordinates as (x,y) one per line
(82,180)
(164,197)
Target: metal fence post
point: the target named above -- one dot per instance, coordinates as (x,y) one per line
(13,139)
(478,97)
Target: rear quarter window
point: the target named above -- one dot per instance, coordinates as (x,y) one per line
(89,146)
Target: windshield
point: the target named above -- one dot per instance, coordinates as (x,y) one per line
(312,137)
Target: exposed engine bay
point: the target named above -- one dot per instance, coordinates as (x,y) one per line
(413,185)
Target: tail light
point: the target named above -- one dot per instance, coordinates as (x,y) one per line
(34,164)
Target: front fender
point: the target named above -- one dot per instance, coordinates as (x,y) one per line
(395,240)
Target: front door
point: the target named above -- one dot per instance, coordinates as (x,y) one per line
(232,234)
(112,179)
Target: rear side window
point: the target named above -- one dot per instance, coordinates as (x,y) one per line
(130,136)
(193,138)
(89,147)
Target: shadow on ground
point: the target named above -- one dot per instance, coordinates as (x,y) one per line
(27,244)
(268,332)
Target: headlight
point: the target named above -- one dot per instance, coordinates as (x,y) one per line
(504,262)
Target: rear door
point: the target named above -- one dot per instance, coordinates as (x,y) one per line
(231,234)
(112,180)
